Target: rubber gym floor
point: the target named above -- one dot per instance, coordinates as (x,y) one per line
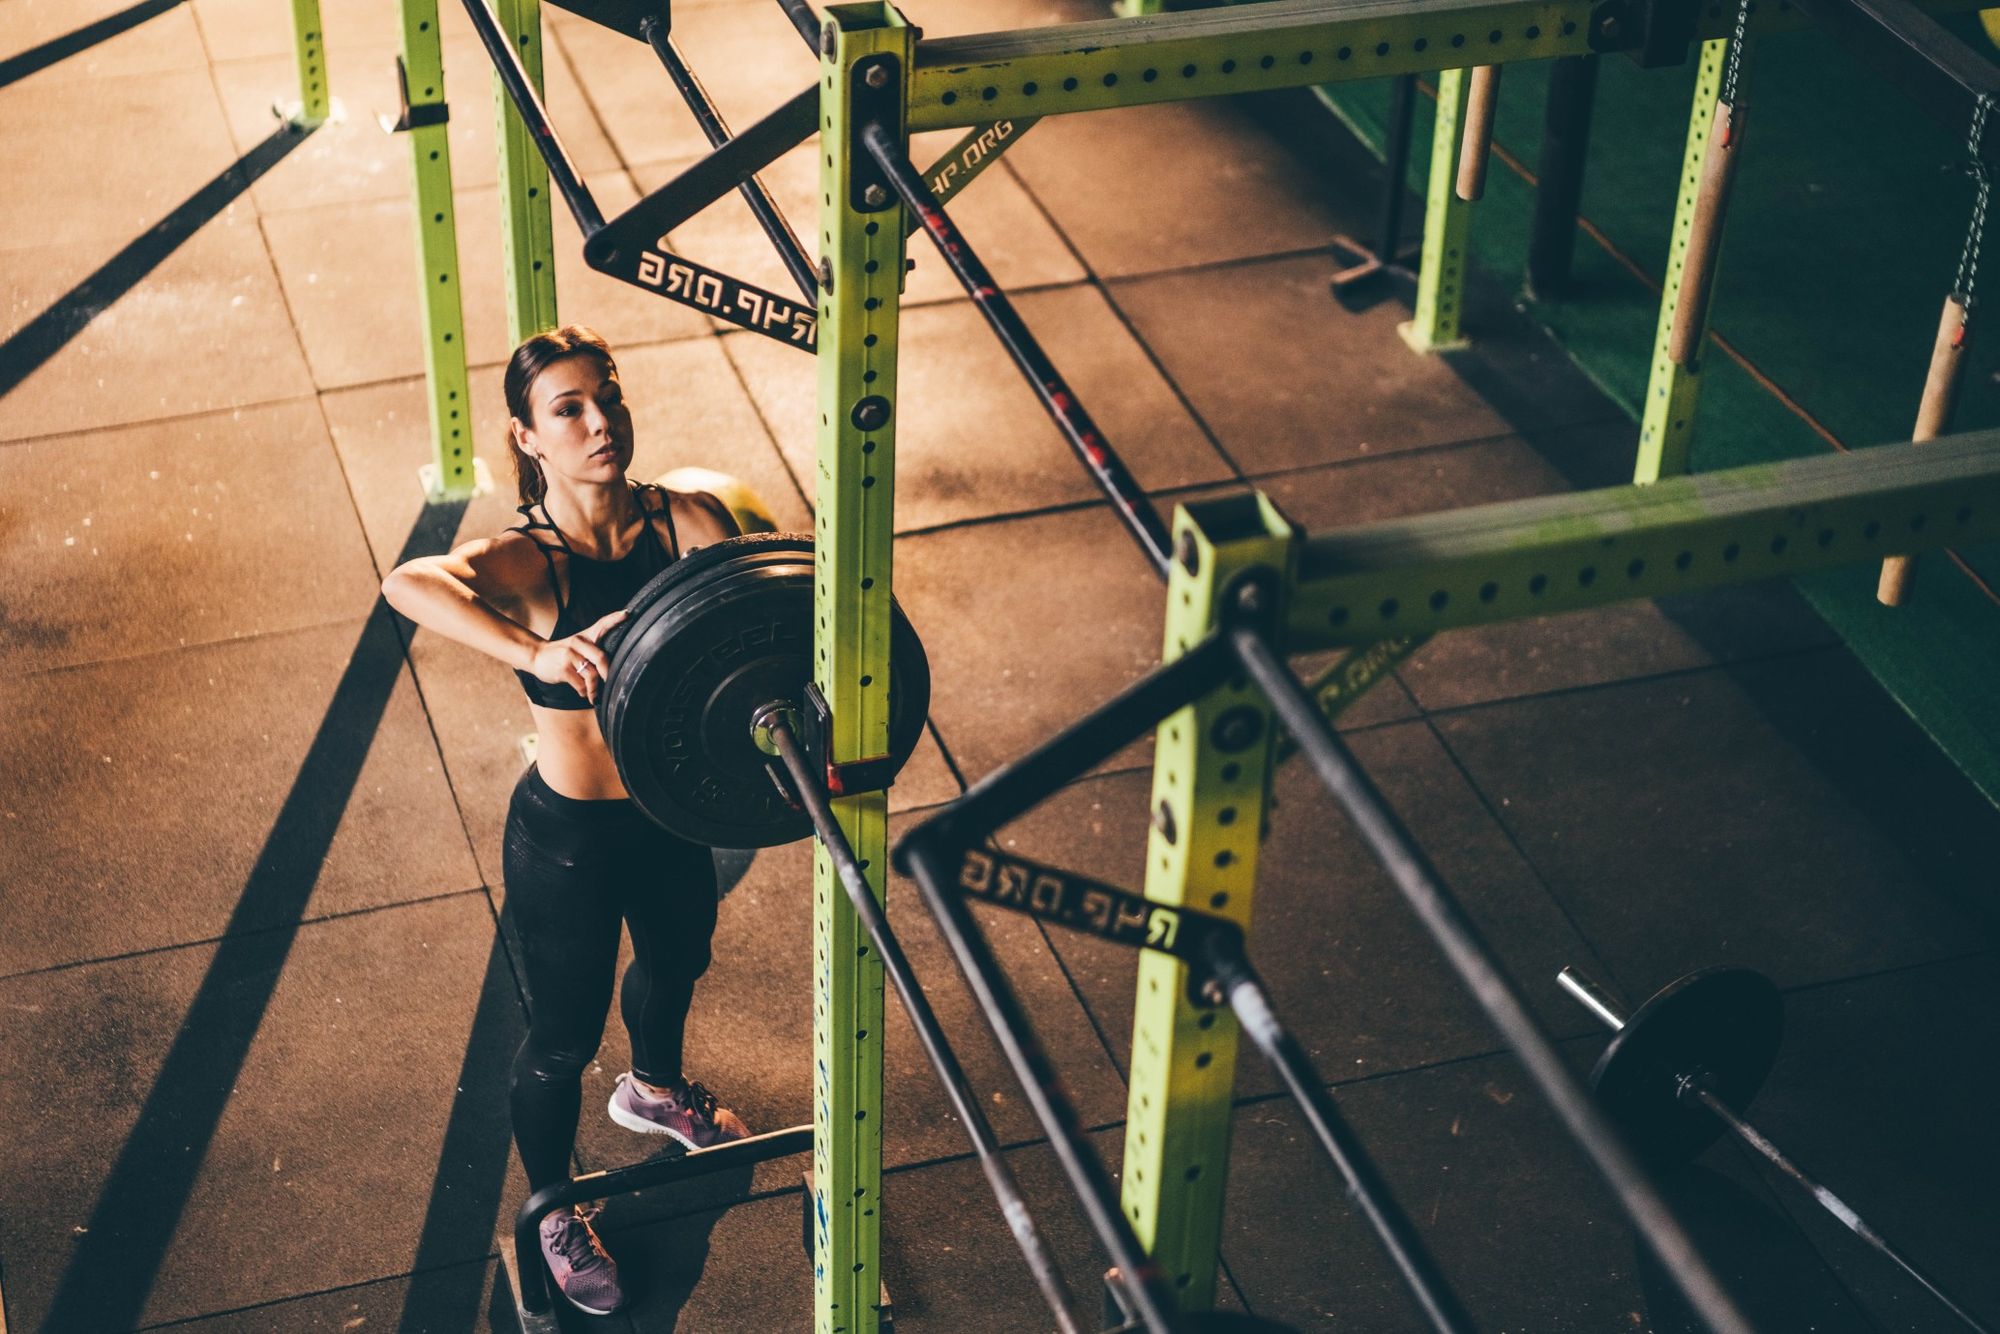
(256,1013)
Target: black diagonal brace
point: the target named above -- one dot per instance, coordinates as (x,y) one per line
(647,222)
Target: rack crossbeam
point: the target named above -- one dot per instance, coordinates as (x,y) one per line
(1569,552)
(1258,48)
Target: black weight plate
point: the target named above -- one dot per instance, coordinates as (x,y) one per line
(712,637)
(1724,1022)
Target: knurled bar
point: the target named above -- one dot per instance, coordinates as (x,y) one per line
(521,90)
(712,126)
(1128,501)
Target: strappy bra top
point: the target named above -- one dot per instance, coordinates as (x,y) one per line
(596,587)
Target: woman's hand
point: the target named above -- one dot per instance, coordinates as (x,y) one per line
(576,661)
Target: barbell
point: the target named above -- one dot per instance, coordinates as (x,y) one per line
(710,643)
(1683,1066)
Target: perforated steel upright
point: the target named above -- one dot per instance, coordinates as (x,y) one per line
(526,229)
(315,103)
(1667,425)
(424,122)
(1447,228)
(865,60)
(1211,777)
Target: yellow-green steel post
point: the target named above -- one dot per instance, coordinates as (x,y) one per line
(861,248)
(1211,777)
(451,473)
(527,235)
(315,103)
(1447,226)
(1666,427)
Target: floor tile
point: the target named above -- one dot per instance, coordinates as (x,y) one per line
(1872,1095)
(973,439)
(152,537)
(41,30)
(1523,1230)
(1286,378)
(351,159)
(1347,965)
(350,275)
(133,361)
(207,1054)
(1774,805)
(452,1298)
(248,784)
(1014,660)
(53,126)
(1235,193)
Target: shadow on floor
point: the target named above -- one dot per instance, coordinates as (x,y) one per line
(117,1258)
(35,342)
(58,49)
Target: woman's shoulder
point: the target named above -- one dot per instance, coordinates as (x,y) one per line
(699,515)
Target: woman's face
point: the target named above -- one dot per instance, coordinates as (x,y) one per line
(580,427)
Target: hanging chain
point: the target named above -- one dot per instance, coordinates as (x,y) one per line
(1975,167)
(1733,70)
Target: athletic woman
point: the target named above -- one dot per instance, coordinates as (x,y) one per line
(580,859)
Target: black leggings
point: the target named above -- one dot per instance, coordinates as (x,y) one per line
(575,870)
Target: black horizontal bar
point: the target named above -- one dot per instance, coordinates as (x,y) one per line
(1251,1005)
(623,1181)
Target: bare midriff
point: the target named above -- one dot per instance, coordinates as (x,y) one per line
(571,754)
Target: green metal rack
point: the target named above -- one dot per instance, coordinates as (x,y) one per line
(861,235)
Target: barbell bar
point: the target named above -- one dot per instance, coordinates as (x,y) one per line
(1682,1067)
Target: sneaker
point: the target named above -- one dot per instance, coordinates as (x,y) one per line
(577,1260)
(689,1115)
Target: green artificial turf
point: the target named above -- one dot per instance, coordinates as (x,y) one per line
(1845,229)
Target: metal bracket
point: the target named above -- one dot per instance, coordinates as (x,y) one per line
(878,100)
(873,774)
(412,117)
(1652,33)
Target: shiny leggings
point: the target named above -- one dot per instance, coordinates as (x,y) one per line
(575,871)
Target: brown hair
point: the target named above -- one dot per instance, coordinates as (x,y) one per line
(530,359)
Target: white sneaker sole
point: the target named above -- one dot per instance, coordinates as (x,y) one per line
(644,1127)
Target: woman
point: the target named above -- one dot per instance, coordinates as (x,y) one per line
(579,857)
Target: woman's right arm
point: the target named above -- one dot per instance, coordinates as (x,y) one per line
(467,595)
(460,595)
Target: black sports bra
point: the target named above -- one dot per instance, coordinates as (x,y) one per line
(596,587)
